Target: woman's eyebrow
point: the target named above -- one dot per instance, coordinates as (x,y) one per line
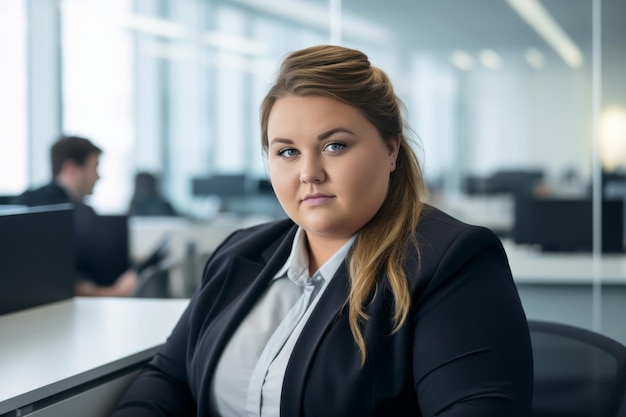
(333,131)
(320,137)
(281,140)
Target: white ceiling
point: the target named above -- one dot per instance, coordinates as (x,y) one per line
(478,24)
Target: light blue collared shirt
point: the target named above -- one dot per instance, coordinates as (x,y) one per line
(249,375)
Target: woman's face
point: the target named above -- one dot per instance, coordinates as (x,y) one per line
(328,165)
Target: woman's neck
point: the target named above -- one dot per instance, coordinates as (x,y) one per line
(321,249)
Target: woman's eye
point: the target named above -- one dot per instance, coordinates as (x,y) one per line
(287,152)
(335,147)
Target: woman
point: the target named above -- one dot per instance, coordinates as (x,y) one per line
(366,301)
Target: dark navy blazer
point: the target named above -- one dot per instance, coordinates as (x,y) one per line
(464,351)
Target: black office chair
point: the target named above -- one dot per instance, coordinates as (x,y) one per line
(154,283)
(577,372)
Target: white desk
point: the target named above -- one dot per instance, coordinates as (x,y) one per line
(58,348)
(201,237)
(146,232)
(560,287)
(530,267)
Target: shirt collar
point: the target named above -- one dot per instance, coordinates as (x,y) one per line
(296,268)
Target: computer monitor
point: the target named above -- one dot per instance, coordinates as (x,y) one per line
(36,256)
(264,186)
(566,225)
(220,185)
(7,199)
(517,183)
(614,185)
(240,195)
(520,183)
(109,255)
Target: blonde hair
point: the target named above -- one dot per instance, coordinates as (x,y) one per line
(347,75)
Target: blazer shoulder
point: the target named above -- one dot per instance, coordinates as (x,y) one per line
(242,255)
(440,229)
(447,243)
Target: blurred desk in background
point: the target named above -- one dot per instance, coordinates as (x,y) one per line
(492,211)
(190,243)
(76,357)
(532,267)
(147,232)
(563,287)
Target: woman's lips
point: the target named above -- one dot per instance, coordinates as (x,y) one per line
(316,199)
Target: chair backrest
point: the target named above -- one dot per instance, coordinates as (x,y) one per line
(153,283)
(577,372)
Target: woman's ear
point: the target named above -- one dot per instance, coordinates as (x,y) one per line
(393,146)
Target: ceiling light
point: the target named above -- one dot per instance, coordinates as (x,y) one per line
(165,50)
(154,26)
(539,19)
(317,16)
(462,60)
(535,58)
(490,59)
(235,43)
(613,137)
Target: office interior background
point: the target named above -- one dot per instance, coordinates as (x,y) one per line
(504,98)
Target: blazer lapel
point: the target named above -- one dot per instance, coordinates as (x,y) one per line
(245,281)
(327,309)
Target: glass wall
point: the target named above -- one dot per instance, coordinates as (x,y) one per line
(508,101)
(99,89)
(13,97)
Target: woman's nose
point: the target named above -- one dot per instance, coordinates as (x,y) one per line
(312,170)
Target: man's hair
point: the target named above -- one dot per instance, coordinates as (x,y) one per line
(71,148)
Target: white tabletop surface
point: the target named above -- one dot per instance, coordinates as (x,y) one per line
(48,349)
(533,267)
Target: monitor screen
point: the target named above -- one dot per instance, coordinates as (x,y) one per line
(565,225)
(109,253)
(6,199)
(220,185)
(519,183)
(36,256)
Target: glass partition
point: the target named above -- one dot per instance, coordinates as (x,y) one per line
(14,97)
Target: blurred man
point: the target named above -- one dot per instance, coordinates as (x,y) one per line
(74,174)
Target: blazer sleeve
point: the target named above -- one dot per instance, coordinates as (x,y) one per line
(162,389)
(157,391)
(472,351)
